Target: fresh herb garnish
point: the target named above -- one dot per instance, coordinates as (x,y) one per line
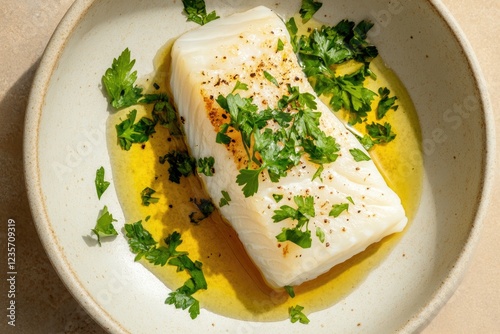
(163,112)
(320,234)
(271,78)
(359,155)
(381,134)
(142,244)
(225,199)
(206,166)
(146,196)
(277,197)
(104,225)
(349,198)
(281,149)
(300,234)
(129,132)
(119,82)
(182,297)
(181,164)
(196,11)
(386,103)
(308,9)
(366,141)
(205,207)
(324,49)
(296,314)
(100,184)
(337,209)
(281,45)
(290,291)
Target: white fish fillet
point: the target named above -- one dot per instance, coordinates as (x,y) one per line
(208,61)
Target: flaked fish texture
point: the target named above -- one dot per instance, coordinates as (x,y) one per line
(207,62)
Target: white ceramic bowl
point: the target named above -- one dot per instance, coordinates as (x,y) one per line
(65,143)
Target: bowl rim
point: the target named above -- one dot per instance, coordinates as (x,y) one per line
(42,78)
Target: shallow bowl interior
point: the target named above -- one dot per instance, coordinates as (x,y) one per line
(65,143)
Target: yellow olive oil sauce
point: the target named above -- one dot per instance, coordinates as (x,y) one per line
(235,286)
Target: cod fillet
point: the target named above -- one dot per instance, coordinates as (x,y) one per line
(207,62)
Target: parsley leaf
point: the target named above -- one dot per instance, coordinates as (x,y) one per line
(278,150)
(129,132)
(100,184)
(104,225)
(146,196)
(183,301)
(308,9)
(182,298)
(290,291)
(119,82)
(381,134)
(143,245)
(298,237)
(277,197)
(196,11)
(366,141)
(249,179)
(205,207)
(323,49)
(225,199)
(280,46)
(359,155)
(206,166)
(222,137)
(349,198)
(304,212)
(163,112)
(296,314)
(386,103)
(271,78)
(320,234)
(181,164)
(337,209)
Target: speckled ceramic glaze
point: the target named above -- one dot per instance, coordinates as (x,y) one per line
(65,143)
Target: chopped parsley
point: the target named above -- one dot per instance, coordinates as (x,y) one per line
(196,12)
(225,199)
(380,134)
(146,196)
(320,234)
(281,149)
(104,225)
(386,103)
(280,46)
(271,78)
(337,209)
(300,234)
(129,132)
(359,155)
(142,244)
(181,164)
(349,198)
(296,314)
(290,291)
(163,112)
(205,209)
(366,141)
(308,9)
(277,197)
(119,82)
(206,166)
(100,184)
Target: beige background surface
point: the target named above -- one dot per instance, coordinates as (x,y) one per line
(43,303)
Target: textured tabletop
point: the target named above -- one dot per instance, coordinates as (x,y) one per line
(43,303)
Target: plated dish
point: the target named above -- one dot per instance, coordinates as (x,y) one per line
(62,179)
